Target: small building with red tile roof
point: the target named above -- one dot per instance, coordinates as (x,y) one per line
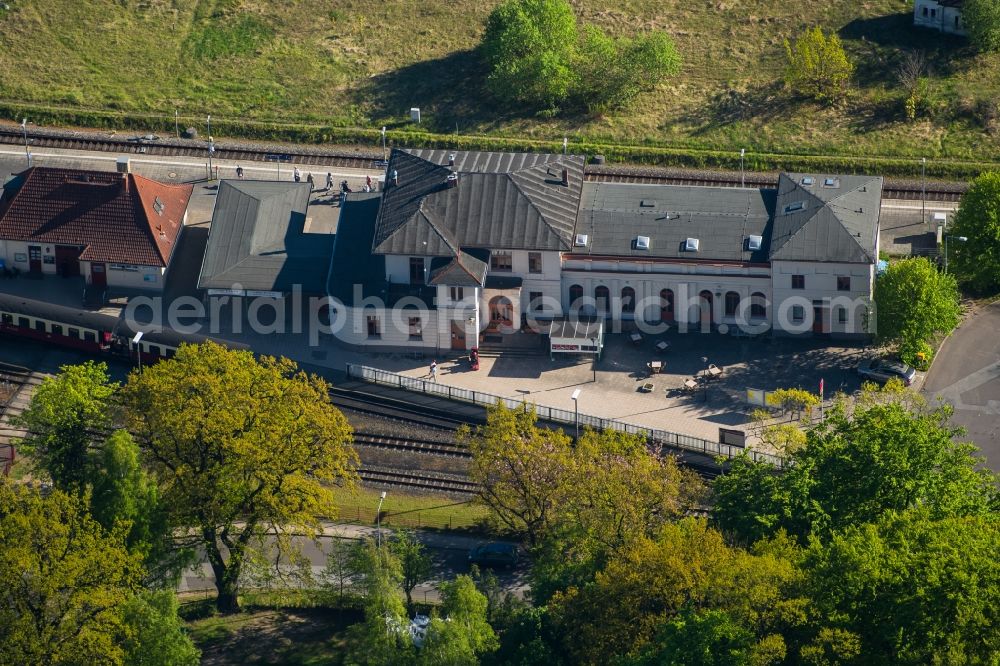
(115,229)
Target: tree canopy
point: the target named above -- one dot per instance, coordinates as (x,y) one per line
(539,58)
(240,449)
(817,66)
(981,19)
(914,302)
(890,454)
(65,581)
(976,262)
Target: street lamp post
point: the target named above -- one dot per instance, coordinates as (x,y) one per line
(211,149)
(138,350)
(384,155)
(576,413)
(24,128)
(742,178)
(923,190)
(177,124)
(378,521)
(960,239)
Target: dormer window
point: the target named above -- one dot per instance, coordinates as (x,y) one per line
(581,240)
(754,242)
(794,206)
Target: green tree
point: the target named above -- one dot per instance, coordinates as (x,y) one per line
(67,419)
(243,451)
(652,581)
(415,565)
(977,261)
(384,637)
(793,400)
(890,454)
(981,19)
(612,72)
(910,589)
(520,469)
(707,638)
(529,46)
(64,581)
(464,634)
(817,66)
(155,635)
(914,302)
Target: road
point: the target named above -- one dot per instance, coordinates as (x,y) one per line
(966,374)
(448,553)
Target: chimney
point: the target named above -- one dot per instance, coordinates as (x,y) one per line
(565,177)
(125,183)
(452,180)
(451,159)
(395,177)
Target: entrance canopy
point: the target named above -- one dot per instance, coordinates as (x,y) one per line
(578,335)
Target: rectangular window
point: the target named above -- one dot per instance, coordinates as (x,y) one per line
(798,282)
(842,315)
(416,270)
(416,332)
(534,262)
(374,327)
(925,11)
(501,262)
(933,13)
(843,283)
(798,314)
(457,294)
(57,329)
(90,336)
(74,333)
(535,300)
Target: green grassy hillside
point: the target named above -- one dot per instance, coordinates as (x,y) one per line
(354,63)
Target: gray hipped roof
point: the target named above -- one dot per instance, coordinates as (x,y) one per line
(257,239)
(501,201)
(614,215)
(463,270)
(826,218)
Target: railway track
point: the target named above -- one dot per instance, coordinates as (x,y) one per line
(417,481)
(410,445)
(367,403)
(360,159)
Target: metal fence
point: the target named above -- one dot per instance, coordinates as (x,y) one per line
(663,438)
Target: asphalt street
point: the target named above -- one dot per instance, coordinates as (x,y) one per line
(966,374)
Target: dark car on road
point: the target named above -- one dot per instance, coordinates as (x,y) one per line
(882,370)
(494,554)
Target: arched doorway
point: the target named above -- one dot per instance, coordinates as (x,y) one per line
(628,300)
(705,307)
(602,296)
(501,312)
(575,294)
(666,305)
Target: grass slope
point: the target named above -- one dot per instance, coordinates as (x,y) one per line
(350,62)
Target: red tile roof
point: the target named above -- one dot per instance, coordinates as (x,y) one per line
(114,219)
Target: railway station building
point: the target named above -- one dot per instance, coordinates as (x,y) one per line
(462,247)
(118,230)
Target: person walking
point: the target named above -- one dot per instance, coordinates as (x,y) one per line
(239,172)
(309,179)
(434,370)
(329,181)
(297,175)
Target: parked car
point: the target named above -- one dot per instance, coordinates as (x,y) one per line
(146,137)
(494,554)
(882,370)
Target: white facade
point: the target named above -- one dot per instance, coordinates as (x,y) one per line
(932,14)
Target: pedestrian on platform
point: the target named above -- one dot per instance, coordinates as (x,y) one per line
(434,370)
(239,172)
(297,175)
(329,180)
(309,179)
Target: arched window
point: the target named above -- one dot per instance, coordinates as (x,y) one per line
(732,303)
(705,307)
(666,305)
(602,295)
(575,294)
(758,305)
(628,299)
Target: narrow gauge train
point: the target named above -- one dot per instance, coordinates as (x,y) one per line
(93,332)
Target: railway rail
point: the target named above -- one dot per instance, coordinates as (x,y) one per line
(367,403)
(361,159)
(409,444)
(417,481)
